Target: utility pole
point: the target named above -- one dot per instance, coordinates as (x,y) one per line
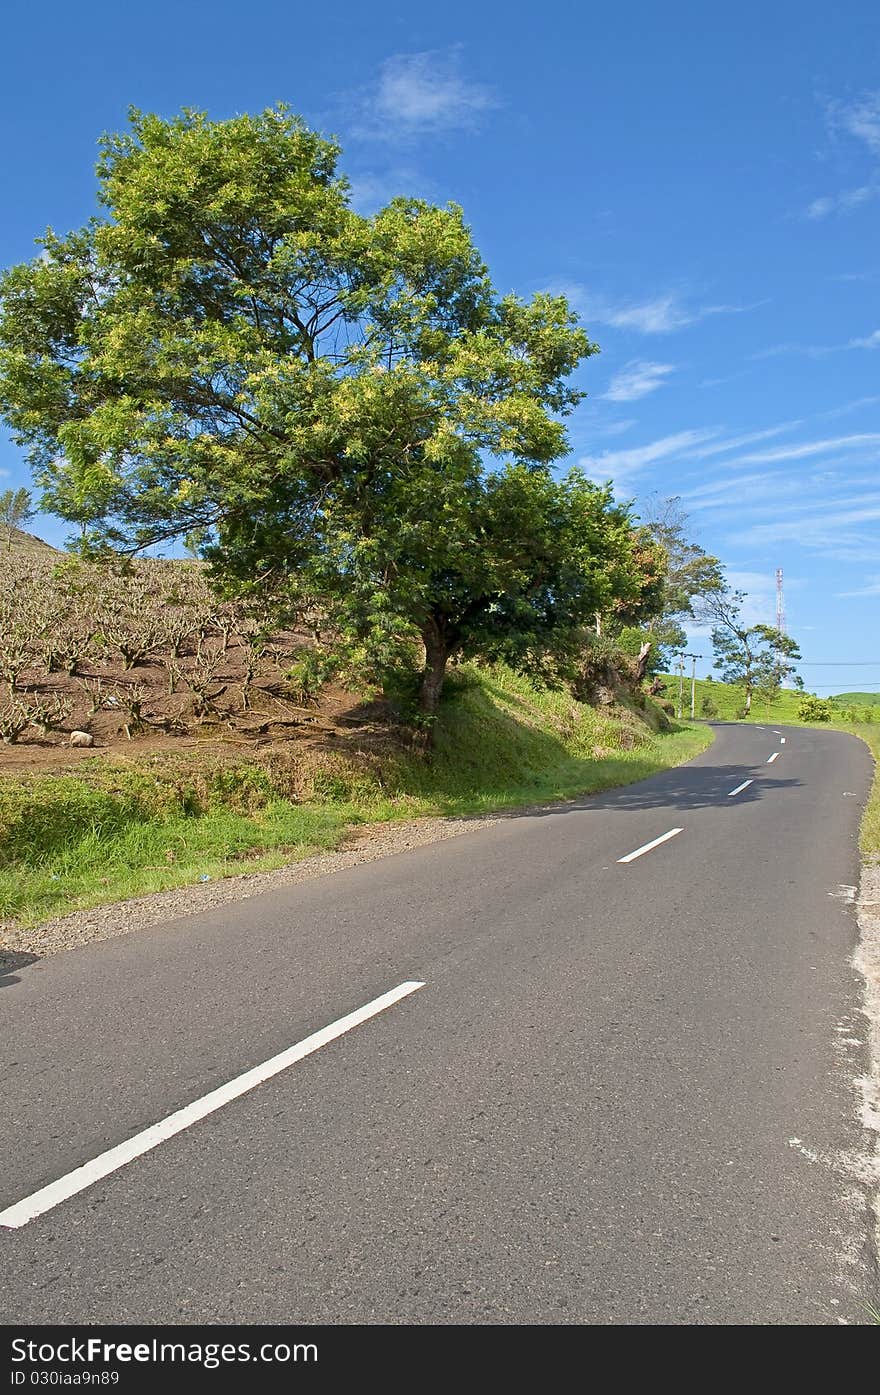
(680,684)
(693,658)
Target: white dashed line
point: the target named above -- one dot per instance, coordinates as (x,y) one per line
(739,789)
(771,759)
(646,847)
(105,1163)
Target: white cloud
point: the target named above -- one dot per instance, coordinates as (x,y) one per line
(420,94)
(734,442)
(833,532)
(615,428)
(637,379)
(662,314)
(868,341)
(843,202)
(859,120)
(617,463)
(871,341)
(871,589)
(869,439)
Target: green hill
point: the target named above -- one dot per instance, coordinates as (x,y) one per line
(858,699)
(728,701)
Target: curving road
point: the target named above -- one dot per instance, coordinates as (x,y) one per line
(622,1094)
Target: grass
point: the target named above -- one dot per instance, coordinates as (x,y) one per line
(119,829)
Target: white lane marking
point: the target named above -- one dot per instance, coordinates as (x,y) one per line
(771,759)
(739,789)
(782,740)
(757,728)
(776,733)
(646,847)
(52,1195)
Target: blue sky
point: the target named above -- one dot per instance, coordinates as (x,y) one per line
(703,181)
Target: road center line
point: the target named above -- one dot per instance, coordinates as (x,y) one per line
(782,740)
(52,1195)
(739,789)
(771,759)
(646,847)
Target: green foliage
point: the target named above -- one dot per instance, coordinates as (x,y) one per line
(708,707)
(756,657)
(814,709)
(690,575)
(234,356)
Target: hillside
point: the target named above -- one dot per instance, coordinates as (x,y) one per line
(858,699)
(26,545)
(727,701)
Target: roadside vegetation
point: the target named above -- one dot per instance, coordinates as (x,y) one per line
(116,828)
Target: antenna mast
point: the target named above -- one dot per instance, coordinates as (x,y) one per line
(780,603)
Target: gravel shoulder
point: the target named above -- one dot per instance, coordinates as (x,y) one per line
(367,844)
(867,961)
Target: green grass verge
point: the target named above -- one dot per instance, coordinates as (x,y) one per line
(118,829)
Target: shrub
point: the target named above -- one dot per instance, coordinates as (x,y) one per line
(814,709)
(708,708)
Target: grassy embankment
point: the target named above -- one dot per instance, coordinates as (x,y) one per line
(117,829)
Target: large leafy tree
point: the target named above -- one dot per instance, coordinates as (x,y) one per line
(233,353)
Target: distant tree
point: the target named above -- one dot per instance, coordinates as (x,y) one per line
(689,575)
(754,657)
(16,509)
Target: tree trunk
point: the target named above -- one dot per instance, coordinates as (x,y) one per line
(748,699)
(642,661)
(437,651)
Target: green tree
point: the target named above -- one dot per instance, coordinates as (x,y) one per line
(16,509)
(233,349)
(689,574)
(755,657)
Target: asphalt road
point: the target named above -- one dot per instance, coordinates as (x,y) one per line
(586,1114)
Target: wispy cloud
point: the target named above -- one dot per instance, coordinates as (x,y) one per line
(805,449)
(845,201)
(860,121)
(865,341)
(421,94)
(835,532)
(735,442)
(615,464)
(847,408)
(615,428)
(872,588)
(661,314)
(636,379)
